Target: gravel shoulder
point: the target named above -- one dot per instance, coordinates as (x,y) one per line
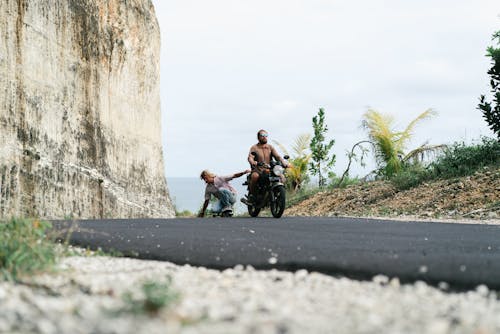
(83,296)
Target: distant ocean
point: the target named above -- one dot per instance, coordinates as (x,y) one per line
(187,193)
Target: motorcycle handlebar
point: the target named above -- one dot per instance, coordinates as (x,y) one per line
(262,164)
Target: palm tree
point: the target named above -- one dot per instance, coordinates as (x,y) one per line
(390,145)
(299,162)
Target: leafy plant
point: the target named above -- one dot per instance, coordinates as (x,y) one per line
(25,248)
(491,111)
(299,162)
(153,297)
(456,160)
(184,213)
(461,159)
(322,162)
(410,176)
(389,145)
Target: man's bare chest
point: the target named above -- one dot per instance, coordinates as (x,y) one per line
(264,153)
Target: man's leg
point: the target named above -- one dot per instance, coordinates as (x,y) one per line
(226,199)
(254,178)
(217,206)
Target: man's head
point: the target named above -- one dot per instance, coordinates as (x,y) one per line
(207,176)
(262,136)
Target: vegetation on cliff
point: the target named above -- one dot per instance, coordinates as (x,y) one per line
(463,182)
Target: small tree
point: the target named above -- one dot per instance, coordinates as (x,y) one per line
(352,156)
(321,162)
(492,113)
(389,145)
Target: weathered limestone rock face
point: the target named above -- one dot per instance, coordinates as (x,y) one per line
(80,110)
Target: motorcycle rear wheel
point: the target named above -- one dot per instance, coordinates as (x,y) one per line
(253,211)
(278,205)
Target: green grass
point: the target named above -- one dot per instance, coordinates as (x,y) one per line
(153,297)
(185,213)
(25,248)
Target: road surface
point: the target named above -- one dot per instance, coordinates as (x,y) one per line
(463,255)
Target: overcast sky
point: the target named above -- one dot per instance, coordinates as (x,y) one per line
(232,67)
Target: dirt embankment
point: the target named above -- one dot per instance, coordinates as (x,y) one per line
(471,197)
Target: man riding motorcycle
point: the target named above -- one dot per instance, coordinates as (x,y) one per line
(261,152)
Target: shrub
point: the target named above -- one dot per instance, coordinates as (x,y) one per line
(457,160)
(339,182)
(25,248)
(461,160)
(410,176)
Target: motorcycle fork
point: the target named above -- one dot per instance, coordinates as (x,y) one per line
(271,194)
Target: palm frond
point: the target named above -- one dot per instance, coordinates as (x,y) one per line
(281,146)
(301,144)
(425,115)
(420,153)
(380,132)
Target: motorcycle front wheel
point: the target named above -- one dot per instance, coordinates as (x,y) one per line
(253,210)
(278,205)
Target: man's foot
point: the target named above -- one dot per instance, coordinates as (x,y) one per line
(227,212)
(247,201)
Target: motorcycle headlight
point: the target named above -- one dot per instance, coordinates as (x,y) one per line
(278,170)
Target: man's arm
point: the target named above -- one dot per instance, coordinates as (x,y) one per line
(234,176)
(251,159)
(204,208)
(241,173)
(275,154)
(205,204)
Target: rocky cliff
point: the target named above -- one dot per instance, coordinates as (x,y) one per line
(80,110)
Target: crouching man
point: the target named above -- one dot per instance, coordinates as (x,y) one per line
(219,187)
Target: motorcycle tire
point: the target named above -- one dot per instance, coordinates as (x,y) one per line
(253,211)
(278,205)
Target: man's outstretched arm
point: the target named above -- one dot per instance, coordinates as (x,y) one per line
(241,173)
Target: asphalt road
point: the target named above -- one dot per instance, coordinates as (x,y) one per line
(462,255)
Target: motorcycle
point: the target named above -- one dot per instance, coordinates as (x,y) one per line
(270,190)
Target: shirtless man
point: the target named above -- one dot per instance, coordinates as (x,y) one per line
(264,153)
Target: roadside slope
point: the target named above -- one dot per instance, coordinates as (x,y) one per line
(476,197)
